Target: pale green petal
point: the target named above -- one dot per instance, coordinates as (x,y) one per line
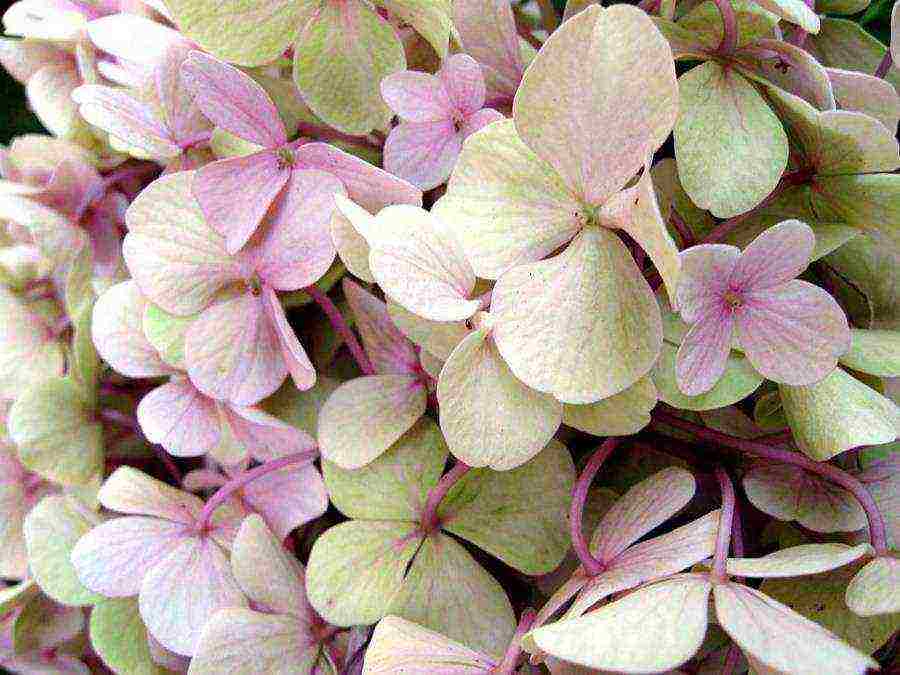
(837,414)
(753,22)
(340,57)
(120,638)
(430,18)
(394,486)
(841,43)
(51,531)
(620,415)
(583,325)
(730,146)
(489,417)
(166,333)
(875,590)
(520,516)
(506,205)
(447,591)
(357,569)
(239,31)
(870,202)
(876,352)
(57,433)
(797,561)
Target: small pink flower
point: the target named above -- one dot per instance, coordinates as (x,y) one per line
(791,331)
(437,113)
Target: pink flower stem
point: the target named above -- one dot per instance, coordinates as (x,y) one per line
(514,651)
(729,28)
(200,138)
(326,134)
(885,66)
(128,172)
(576,510)
(340,325)
(429,519)
(828,471)
(731,659)
(246,477)
(684,232)
(726,522)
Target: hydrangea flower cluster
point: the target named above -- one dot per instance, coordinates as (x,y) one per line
(398,337)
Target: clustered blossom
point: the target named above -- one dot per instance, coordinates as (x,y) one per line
(434,337)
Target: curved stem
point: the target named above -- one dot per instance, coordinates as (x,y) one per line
(726,522)
(576,511)
(223,493)
(548,15)
(514,651)
(340,326)
(828,471)
(885,65)
(729,28)
(684,232)
(436,495)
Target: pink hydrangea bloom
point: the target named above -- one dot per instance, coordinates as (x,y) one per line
(236,103)
(791,331)
(437,113)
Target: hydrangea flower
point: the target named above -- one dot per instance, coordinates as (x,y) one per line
(437,113)
(792,331)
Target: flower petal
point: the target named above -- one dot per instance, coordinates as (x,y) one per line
(463,82)
(131,491)
(265,436)
(298,364)
(705,272)
(793,334)
(233,100)
(365,416)
(258,178)
(416,97)
(796,561)
(422,153)
(233,352)
(181,419)
(420,264)
(181,593)
(288,498)
(488,33)
(775,257)
(582,325)
(386,346)
(574,88)
(703,354)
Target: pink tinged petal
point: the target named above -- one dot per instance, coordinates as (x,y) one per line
(233,101)
(644,507)
(793,334)
(296,249)
(302,371)
(72,186)
(423,152)
(184,117)
(131,491)
(236,193)
(569,107)
(386,346)
(419,263)
(653,559)
(266,437)
(179,418)
(479,120)
(233,352)
(464,83)
(370,187)
(125,118)
(705,272)
(203,479)
(113,558)
(781,639)
(777,255)
(178,261)
(703,353)
(181,593)
(132,38)
(288,498)
(117,331)
(416,97)
(488,32)
(104,224)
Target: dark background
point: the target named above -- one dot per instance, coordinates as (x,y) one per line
(16,119)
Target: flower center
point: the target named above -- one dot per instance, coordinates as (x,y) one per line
(254,285)
(285,158)
(732,299)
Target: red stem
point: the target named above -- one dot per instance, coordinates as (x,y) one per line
(223,493)
(684,232)
(824,469)
(200,138)
(885,65)
(576,511)
(340,325)
(726,522)
(729,28)
(436,495)
(731,659)
(514,651)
